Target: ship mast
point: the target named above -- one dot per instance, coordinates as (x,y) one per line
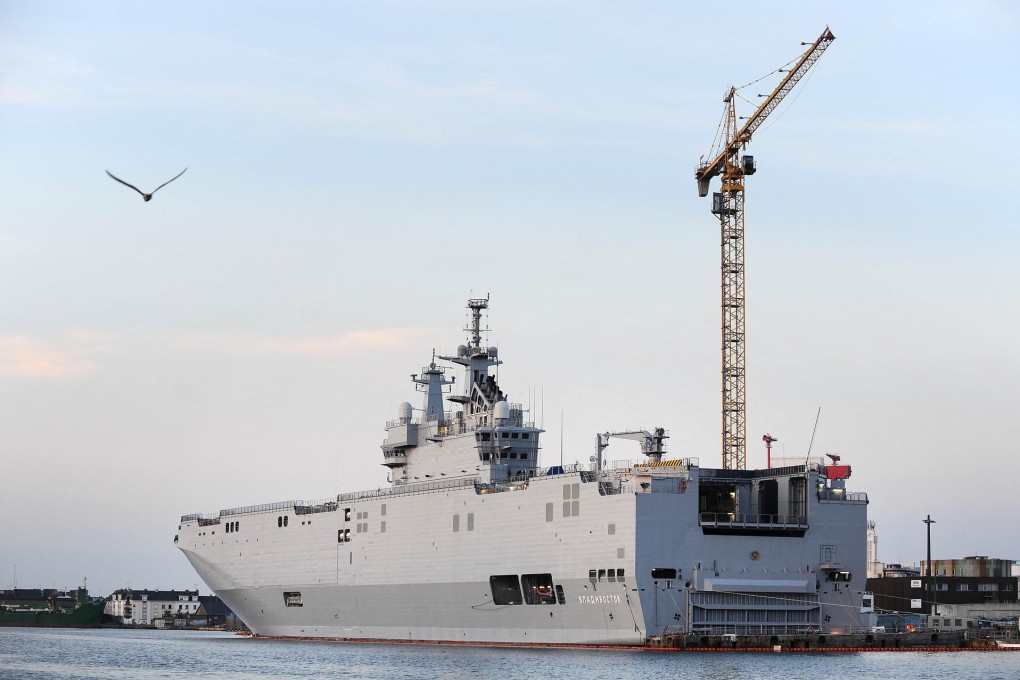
(476,305)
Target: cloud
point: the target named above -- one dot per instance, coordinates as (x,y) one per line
(37,77)
(26,357)
(72,356)
(356,343)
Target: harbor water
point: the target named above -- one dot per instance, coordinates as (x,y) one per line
(45,654)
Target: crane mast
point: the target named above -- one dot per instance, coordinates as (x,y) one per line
(728,205)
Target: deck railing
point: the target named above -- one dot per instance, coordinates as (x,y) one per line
(735,520)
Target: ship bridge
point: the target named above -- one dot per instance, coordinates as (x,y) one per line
(486,435)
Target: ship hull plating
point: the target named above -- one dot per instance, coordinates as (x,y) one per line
(474,542)
(419,566)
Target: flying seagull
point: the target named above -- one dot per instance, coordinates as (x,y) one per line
(145,196)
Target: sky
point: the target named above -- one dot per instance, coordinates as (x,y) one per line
(357,170)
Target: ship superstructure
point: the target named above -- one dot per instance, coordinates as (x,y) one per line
(475,541)
(483,435)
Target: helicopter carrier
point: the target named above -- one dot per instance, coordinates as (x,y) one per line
(475,541)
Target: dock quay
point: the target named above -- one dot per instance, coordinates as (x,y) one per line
(844,642)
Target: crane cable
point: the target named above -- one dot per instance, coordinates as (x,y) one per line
(718,143)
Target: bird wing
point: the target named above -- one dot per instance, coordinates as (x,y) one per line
(125,183)
(170,180)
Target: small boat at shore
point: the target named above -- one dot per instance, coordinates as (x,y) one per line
(1007,645)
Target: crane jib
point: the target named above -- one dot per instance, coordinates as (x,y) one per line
(707,171)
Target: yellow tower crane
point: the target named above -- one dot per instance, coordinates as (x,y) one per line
(728,205)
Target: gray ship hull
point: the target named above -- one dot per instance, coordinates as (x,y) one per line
(475,542)
(410,571)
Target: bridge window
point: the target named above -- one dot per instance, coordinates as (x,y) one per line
(664,574)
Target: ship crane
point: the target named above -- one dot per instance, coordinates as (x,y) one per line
(651,444)
(728,204)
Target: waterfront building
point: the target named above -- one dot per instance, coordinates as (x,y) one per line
(145,607)
(977,565)
(964,591)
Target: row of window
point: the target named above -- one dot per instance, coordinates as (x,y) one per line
(486,436)
(282,521)
(508,589)
(968,587)
(232,527)
(610,574)
(512,454)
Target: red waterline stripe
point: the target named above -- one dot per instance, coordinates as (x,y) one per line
(631,648)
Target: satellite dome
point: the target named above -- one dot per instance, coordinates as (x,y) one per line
(493,351)
(462,350)
(501,411)
(405,411)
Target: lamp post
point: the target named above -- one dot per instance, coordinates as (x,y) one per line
(930,590)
